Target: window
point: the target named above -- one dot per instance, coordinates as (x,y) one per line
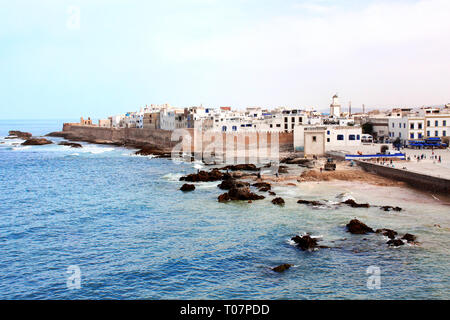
(399,134)
(224,128)
(444,133)
(234,128)
(328,132)
(404,125)
(412,135)
(285,119)
(444,123)
(411,126)
(358,137)
(428,133)
(285,126)
(399,125)
(436,133)
(420,125)
(428,123)
(271,125)
(436,123)
(420,136)
(351,137)
(293,119)
(314,139)
(328,139)
(278,125)
(293,126)
(393,125)
(340,137)
(300,119)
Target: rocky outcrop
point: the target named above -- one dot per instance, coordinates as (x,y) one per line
(36,142)
(20,134)
(387,232)
(282,267)
(278,201)
(60,134)
(272,193)
(187,187)
(357,227)
(306,242)
(241,167)
(205,176)
(310,202)
(70,144)
(239,194)
(228,184)
(353,204)
(295,160)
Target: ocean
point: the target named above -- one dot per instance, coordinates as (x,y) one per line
(121,220)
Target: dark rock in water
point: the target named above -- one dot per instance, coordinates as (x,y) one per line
(70,144)
(187,187)
(310,202)
(387,232)
(395,242)
(241,167)
(357,227)
(223,197)
(305,242)
(353,204)
(261,185)
(409,237)
(20,134)
(263,189)
(272,193)
(204,176)
(390,208)
(57,134)
(282,267)
(150,151)
(232,183)
(36,142)
(243,193)
(279,201)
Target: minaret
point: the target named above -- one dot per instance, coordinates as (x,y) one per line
(335,107)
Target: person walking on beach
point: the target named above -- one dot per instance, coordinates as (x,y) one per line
(440,160)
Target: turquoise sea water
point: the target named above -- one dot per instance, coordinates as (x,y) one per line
(122,220)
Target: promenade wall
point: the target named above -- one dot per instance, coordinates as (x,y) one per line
(161,138)
(416,180)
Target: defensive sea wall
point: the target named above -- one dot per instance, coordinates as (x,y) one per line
(416,180)
(164,140)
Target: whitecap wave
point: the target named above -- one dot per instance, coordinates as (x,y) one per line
(172,176)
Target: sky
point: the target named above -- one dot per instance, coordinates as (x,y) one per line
(65,59)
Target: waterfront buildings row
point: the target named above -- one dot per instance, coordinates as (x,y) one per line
(310,128)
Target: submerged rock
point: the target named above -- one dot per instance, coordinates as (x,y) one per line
(261,185)
(150,151)
(223,197)
(272,193)
(395,242)
(357,227)
(282,267)
(70,144)
(352,203)
(187,187)
(310,202)
(279,201)
(390,208)
(387,232)
(409,237)
(36,142)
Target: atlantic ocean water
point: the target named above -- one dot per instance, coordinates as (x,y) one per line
(123,222)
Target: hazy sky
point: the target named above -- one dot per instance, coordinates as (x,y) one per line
(128,53)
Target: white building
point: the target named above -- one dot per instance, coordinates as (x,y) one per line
(335,107)
(316,140)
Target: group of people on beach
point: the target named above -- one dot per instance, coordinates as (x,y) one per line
(424,156)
